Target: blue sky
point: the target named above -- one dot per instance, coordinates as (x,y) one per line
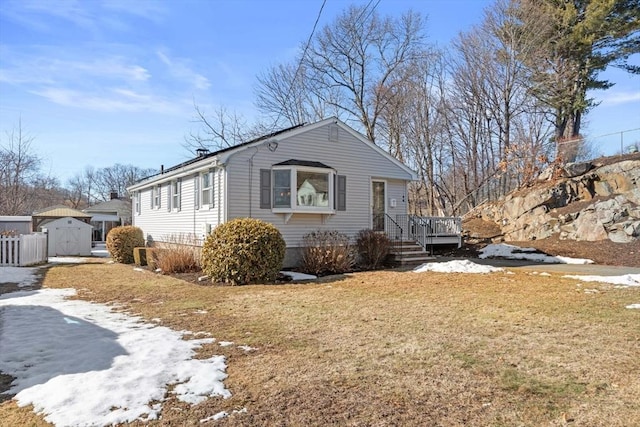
(104,82)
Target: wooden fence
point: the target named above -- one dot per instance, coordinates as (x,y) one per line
(23,250)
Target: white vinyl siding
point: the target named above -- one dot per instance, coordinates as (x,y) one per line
(236,190)
(159,224)
(348,156)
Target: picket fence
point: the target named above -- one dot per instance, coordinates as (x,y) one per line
(23,250)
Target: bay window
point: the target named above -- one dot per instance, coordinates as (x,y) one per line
(302,186)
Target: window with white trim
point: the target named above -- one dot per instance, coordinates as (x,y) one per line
(137,202)
(157,190)
(174,194)
(207,189)
(296,187)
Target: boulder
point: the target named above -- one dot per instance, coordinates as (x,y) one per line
(576,169)
(589,228)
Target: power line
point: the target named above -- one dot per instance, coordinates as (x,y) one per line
(304,53)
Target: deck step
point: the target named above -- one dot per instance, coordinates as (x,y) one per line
(410,253)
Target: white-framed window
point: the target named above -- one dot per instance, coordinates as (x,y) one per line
(157,196)
(304,189)
(282,188)
(137,202)
(207,188)
(173,195)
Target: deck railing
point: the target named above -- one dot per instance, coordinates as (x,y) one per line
(427,231)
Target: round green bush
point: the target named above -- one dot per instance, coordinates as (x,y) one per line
(122,240)
(244,250)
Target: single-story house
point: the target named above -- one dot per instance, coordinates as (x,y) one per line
(323,175)
(109,214)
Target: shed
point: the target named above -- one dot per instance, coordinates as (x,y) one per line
(41,217)
(68,237)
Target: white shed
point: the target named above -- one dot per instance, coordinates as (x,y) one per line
(68,236)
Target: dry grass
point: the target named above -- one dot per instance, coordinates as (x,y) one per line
(395,348)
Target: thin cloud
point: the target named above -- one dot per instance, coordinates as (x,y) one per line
(112,101)
(619,98)
(180,70)
(89,15)
(41,69)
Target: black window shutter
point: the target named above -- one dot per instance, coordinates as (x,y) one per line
(265,188)
(342,193)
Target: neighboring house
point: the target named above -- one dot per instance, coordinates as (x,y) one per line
(324,175)
(15,225)
(109,214)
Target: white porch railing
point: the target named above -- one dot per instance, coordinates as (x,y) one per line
(23,250)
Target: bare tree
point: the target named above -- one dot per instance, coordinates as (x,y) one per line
(116,179)
(80,188)
(19,170)
(222,130)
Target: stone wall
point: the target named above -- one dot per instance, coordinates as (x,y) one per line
(579,201)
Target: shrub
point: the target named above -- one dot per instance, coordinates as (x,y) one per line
(122,240)
(244,250)
(179,254)
(373,248)
(327,252)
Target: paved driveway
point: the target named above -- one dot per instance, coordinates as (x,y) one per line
(584,269)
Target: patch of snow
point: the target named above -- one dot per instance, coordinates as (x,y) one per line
(247,348)
(456,266)
(200,312)
(101,253)
(625,280)
(502,250)
(633,306)
(23,276)
(80,363)
(298,276)
(139,269)
(223,414)
(225,343)
(66,260)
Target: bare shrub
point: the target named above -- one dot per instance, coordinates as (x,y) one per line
(179,253)
(327,252)
(373,248)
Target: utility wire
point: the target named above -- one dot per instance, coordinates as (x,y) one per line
(304,53)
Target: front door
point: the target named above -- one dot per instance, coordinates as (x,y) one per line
(378,208)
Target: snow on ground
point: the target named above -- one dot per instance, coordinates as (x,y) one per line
(456,266)
(625,280)
(295,276)
(632,306)
(23,276)
(502,250)
(79,363)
